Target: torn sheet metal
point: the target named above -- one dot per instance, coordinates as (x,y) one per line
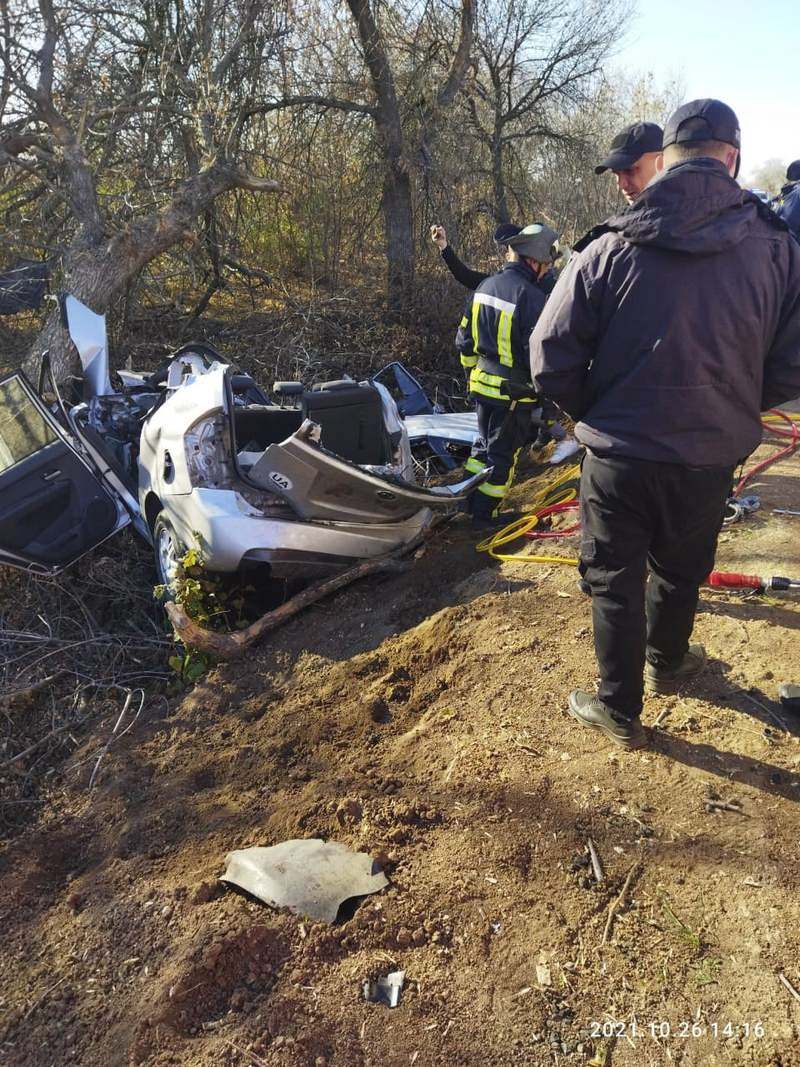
(310,877)
(385,990)
(88,332)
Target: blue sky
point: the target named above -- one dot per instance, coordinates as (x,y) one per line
(745,52)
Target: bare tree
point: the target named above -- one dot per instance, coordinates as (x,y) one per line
(402,87)
(127,124)
(537,59)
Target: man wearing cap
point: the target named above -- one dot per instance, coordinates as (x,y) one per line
(634,156)
(634,159)
(492,340)
(787,203)
(665,339)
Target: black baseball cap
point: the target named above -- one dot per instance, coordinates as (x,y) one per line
(704,120)
(630,144)
(793,171)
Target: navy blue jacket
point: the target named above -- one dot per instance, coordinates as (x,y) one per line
(667,336)
(494,334)
(787,207)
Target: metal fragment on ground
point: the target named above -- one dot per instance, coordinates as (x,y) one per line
(311,877)
(385,990)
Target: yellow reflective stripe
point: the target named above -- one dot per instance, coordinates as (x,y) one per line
(495,491)
(475,309)
(474,466)
(478,384)
(463,322)
(490,379)
(468,361)
(504,339)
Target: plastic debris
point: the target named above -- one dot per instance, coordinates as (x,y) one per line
(310,877)
(385,990)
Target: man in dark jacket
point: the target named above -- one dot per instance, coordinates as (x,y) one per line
(787,204)
(634,159)
(665,339)
(493,339)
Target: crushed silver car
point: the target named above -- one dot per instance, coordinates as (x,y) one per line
(198,453)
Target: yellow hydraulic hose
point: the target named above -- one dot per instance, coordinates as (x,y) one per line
(556,491)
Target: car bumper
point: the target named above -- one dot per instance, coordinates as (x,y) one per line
(231,532)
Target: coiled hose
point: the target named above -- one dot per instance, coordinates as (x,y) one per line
(561,494)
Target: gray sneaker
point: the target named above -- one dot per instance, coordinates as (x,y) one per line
(666,680)
(590,711)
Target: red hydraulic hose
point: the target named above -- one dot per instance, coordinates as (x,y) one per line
(794,437)
(552,509)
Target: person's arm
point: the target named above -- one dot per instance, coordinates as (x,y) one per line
(782,363)
(463,274)
(563,341)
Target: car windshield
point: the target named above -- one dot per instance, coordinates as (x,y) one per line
(23,429)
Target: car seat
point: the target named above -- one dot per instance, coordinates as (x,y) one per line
(350,417)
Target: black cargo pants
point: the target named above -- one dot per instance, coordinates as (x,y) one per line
(502,433)
(636,517)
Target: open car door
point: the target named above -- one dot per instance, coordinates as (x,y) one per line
(53,507)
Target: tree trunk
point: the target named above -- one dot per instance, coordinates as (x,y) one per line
(97,271)
(95,278)
(399,221)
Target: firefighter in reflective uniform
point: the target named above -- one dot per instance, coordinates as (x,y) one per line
(492,340)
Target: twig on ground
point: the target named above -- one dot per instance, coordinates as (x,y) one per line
(789,986)
(39,1000)
(113,734)
(233,645)
(38,744)
(594,856)
(618,903)
(724,805)
(19,696)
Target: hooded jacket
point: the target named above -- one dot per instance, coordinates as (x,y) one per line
(668,335)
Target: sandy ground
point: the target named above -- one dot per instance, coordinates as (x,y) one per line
(421,718)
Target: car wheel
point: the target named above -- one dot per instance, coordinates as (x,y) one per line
(169,550)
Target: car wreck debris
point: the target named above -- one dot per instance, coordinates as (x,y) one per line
(311,877)
(385,990)
(196,452)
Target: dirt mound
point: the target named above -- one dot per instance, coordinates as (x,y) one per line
(420,718)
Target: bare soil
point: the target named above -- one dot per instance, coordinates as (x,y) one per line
(421,718)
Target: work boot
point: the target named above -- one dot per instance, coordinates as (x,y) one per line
(589,710)
(666,680)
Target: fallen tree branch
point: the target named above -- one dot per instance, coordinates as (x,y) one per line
(22,696)
(233,645)
(38,744)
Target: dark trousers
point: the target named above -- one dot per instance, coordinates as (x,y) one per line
(502,433)
(637,517)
